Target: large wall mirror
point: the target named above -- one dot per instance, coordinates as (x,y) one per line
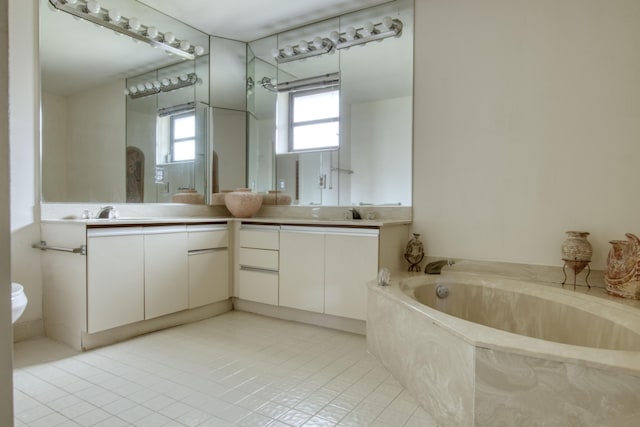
(100,144)
(357,151)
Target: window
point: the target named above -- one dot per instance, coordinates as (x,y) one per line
(183,137)
(314,120)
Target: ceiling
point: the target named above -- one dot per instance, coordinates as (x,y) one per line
(248,20)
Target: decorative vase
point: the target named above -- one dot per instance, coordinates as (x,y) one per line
(276,197)
(189,196)
(622,277)
(242,202)
(576,250)
(217,199)
(414,253)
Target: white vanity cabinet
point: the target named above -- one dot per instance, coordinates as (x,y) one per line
(258,263)
(208,249)
(166,270)
(325,269)
(350,261)
(302,268)
(135,278)
(115,277)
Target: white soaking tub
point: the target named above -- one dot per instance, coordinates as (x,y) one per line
(503,352)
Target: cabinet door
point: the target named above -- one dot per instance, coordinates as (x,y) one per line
(115,278)
(208,276)
(350,262)
(302,270)
(165,270)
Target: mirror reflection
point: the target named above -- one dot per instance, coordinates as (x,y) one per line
(100,145)
(299,154)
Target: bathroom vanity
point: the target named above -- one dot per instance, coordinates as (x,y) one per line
(108,280)
(314,271)
(130,277)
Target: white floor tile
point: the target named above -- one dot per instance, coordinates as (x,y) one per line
(235,369)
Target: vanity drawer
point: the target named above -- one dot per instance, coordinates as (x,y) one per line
(259,239)
(207,238)
(258,258)
(258,286)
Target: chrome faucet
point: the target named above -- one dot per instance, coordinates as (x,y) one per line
(107,212)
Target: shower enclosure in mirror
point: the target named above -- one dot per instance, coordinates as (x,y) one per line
(334,127)
(122,121)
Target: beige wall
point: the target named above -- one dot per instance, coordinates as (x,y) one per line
(526,125)
(96,160)
(6,349)
(24,158)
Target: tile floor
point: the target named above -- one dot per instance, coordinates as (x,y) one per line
(235,369)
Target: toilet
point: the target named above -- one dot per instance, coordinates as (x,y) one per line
(18,301)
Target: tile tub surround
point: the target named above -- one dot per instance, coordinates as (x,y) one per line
(467,374)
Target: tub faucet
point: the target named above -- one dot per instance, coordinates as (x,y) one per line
(107,212)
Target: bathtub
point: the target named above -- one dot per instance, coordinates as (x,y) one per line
(504,352)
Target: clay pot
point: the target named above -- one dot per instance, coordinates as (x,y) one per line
(243,203)
(188,195)
(622,277)
(276,197)
(217,199)
(576,250)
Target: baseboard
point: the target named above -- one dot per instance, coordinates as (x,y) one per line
(286,313)
(29,329)
(122,333)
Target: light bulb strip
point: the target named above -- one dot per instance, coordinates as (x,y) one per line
(381,30)
(80,10)
(190,80)
(298,53)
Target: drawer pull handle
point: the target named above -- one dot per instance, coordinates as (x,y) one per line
(257,269)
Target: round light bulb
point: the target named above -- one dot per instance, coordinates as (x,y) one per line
(141,87)
(368,28)
(157,84)
(134,24)
(93,6)
(133,89)
(318,43)
(351,33)
(185,45)
(334,36)
(152,32)
(165,82)
(114,15)
(169,37)
(174,80)
(288,50)
(126,91)
(303,45)
(387,22)
(275,52)
(148,85)
(183,77)
(198,50)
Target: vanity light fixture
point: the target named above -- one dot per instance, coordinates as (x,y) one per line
(165,85)
(352,36)
(316,82)
(303,50)
(91,10)
(369,32)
